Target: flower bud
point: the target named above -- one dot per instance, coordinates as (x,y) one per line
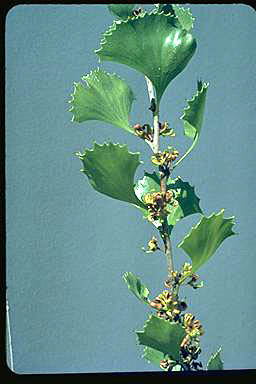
(164,364)
(156,304)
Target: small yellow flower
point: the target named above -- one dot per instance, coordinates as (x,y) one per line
(187,267)
(158,159)
(176,311)
(165,130)
(188,318)
(149,198)
(169,313)
(174,274)
(192,326)
(186,271)
(194,332)
(153,245)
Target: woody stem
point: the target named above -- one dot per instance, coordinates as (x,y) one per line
(164,175)
(156,137)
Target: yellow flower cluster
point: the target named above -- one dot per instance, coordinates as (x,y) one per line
(165,157)
(167,303)
(143,131)
(157,204)
(192,326)
(165,130)
(186,270)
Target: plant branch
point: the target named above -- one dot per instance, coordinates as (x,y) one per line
(168,250)
(164,175)
(156,138)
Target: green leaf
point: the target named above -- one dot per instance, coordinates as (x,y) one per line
(187,199)
(215,362)
(204,238)
(162,335)
(121,10)
(102,96)
(136,287)
(149,184)
(194,113)
(110,169)
(153,44)
(193,116)
(166,8)
(175,215)
(184,16)
(153,356)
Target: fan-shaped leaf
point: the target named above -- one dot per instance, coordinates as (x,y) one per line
(102,96)
(110,169)
(153,44)
(205,238)
(162,335)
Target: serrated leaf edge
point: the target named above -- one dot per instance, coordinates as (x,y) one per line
(148,321)
(106,144)
(82,156)
(173,181)
(145,326)
(190,185)
(208,217)
(190,13)
(113,27)
(144,329)
(87,86)
(191,101)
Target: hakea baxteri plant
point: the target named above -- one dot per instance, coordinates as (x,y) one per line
(159,45)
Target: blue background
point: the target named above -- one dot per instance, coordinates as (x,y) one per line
(67,245)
